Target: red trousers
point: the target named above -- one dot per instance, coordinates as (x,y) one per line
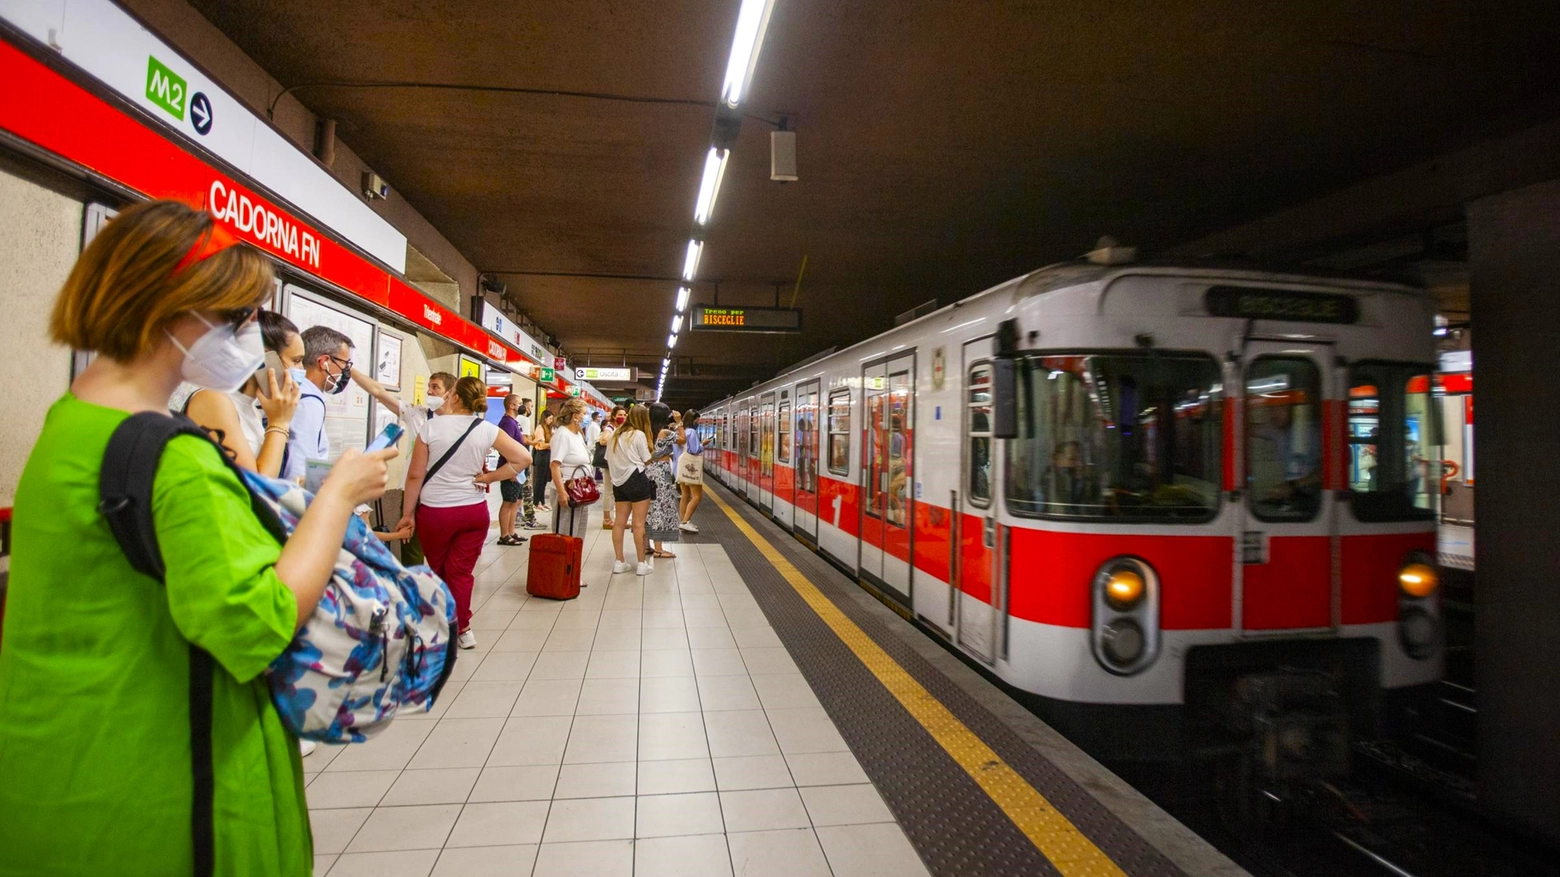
(451,542)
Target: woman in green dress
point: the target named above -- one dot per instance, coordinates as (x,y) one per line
(95,773)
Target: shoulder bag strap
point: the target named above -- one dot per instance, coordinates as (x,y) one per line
(439,464)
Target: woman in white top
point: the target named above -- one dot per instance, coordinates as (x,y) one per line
(628,455)
(252,421)
(446,486)
(570,460)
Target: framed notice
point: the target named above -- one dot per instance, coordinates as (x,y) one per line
(387,367)
(346,413)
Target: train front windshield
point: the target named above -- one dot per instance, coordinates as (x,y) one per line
(1394,442)
(1118,436)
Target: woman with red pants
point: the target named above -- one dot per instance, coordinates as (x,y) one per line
(447,487)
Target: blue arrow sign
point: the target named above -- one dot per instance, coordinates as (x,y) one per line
(200,113)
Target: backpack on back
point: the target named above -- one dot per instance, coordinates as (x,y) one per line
(379,640)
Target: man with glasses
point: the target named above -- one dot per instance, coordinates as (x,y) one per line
(327,361)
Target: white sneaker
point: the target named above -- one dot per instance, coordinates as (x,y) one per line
(643,569)
(621,566)
(307,747)
(687,527)
(468,640)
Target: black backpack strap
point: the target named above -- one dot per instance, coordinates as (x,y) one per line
(439,464)
(125,499)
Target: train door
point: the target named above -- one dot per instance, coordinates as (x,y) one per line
(1287,548)
(977,603)
(766,453)
(785,462)
(739,471)
(807,415)
(750,465)
(887,474)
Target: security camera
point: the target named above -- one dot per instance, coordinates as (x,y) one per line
(374,186)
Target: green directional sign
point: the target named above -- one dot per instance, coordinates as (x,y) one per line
(166,88)
(548,376)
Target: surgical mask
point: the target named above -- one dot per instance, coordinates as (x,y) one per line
(223,358)
(298,375)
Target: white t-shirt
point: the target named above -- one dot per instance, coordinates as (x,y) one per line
(591,430)
(628,455)
(415,419)
(568,448)
(451,486)
(525,425)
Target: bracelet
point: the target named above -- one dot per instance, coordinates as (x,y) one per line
(284,433)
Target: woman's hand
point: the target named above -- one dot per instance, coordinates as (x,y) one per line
(279,401)
(360,477)
(563,495)
(405,527)
(401,534)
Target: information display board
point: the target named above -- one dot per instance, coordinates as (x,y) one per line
(743,318)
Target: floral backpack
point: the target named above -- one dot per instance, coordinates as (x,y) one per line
(379,640)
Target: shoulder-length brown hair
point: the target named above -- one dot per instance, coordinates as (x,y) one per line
(638,419)
(123,292)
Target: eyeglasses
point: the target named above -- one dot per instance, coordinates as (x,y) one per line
(343,364)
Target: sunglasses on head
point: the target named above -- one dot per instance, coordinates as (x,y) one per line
(239,317)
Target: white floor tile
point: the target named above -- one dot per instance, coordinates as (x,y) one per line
(825,768)
(483,700)
(392,749)
(565,639)
(457,743)
(711,638)
(500,824)
(768,660)
(870,851)
(548,697)
(756,638)
(494,619)
(405,828)
(784,691)
(505,667)
(752,772)
(450,785)
(334,829)
(739,732)
(590,819)
(608,697)
(806,730)
(718,693)
(363,788)
(763,810)
(531,740)
(696,856)
(613,858)
(707,617)
(676,775)
(404,863)
(584,619)
(534,621)
(674,815)
(613,665)
(672,736)
(486,861)
(664,638)
(665,662)
(787,853)
(520,640)
(845,805)
(517,783)
(718,662)
(602,780)
(602,738)
(669,694)
(322,864)
(560,665)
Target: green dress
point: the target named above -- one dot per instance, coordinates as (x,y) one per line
(94,662)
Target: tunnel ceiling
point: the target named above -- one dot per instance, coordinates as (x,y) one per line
(942,147)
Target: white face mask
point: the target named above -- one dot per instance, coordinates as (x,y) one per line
(222,359)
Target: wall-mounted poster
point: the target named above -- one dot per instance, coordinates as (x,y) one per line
(469,367)
(388,369)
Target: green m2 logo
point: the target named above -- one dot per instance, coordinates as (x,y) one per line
(166,88)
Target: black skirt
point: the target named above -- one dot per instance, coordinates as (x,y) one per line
(637,488)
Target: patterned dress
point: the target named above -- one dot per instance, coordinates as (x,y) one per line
(661,523)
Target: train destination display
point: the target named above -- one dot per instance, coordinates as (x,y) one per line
(1253,303)
(743,318)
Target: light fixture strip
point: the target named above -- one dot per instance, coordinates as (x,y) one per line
(709,184)
(752,21)
(691,261)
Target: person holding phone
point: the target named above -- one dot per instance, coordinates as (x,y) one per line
(252,422)
(446,491)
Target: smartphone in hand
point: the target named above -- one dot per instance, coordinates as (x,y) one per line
(391,434)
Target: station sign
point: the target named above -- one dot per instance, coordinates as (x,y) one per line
(1256,303)
(743,318)
(547,375)
(591,373)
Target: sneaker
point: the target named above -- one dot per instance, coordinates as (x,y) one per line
(307,747)
(468,640)
(621,566)
(643,569)
(532,525)
(687,527)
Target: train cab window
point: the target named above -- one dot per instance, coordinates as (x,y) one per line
(839,432)
(1284,438)
(1121,437)
(1394,442)
(977,483)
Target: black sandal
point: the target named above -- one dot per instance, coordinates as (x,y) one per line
(511,539)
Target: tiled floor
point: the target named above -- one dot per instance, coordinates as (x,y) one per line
(654,726)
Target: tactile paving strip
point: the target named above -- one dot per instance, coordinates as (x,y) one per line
(953,824)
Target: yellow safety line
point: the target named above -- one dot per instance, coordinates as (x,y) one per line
(1052,833)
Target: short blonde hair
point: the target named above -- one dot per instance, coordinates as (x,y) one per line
(571,408)
(123,292)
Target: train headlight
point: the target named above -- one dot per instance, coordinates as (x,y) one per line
(1123,589)
(1126,615)
(1418,580)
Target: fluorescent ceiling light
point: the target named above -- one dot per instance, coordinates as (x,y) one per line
(709,185)
(671,340)
(676,324)
(752,21)
(682,298)
(691,261)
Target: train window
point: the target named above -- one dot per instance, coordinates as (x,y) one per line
(1394,439)
(899,451)
(807,442)
(839,432)
(1121,436)
(785,432)
(978,420)
(1284,438)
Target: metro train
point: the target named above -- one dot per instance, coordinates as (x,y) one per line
(1165,505)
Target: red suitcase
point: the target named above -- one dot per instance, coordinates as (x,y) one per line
(553,570)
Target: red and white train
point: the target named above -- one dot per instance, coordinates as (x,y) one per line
(1145,496)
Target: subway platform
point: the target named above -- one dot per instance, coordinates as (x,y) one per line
(743,710)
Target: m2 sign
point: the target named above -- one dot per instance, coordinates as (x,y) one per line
(165,88)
